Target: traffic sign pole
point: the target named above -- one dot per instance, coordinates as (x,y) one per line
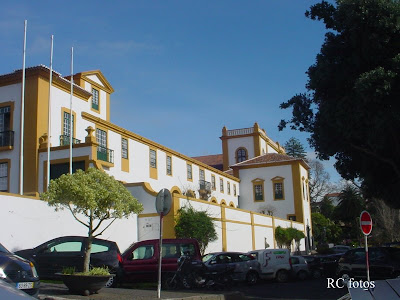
(366,228)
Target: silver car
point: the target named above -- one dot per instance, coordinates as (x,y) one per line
(245,267)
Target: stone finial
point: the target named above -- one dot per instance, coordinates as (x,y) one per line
(256,127)
(43,140)
(224,131)
(90,138)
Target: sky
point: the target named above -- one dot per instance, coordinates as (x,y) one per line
(181,70)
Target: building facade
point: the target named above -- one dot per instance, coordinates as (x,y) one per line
(234,179)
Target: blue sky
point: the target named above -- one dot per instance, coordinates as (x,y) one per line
(181,70)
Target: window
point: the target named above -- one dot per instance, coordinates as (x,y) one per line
(4,177)
(153,159)
(73,246)
(228,188)
(169,165)
(143,252)
(6,136)
(95,99)
(241,155)
(97,248)
(101,137)
(234,190)
(201,175)
(278,188)
(189,172)
(67,124)
(124,148)
(221,185)
(258,189)
(213,182)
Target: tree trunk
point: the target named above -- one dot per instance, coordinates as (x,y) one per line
(88,251)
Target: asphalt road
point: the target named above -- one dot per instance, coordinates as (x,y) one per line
(308,289)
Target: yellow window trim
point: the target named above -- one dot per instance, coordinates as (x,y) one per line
(187,173)
(8,161)
(276,180)
(67,110)
(214,188)
(153,171)
(221,186)
(166,165)
(258,181)
(91,101)
(125,161)
(236,153)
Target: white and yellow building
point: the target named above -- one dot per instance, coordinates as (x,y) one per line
(251,179)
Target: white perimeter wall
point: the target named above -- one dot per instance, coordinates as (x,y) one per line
(28,222)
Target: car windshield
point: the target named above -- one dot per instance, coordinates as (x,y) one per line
(3,249)
(207,257)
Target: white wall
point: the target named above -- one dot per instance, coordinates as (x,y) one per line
(28,222)
(235,143)
(282,207)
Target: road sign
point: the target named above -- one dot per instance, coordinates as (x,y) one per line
(366,222)
(163,201)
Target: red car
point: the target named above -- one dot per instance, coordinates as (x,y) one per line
(140,260)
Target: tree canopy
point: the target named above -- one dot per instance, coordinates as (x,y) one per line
(351,107)
(295,148)
(92,197)
(198,225)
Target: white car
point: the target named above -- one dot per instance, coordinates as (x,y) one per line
(274,263)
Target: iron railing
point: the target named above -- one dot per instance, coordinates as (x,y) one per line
(64,140)
(205,185)
(105,154)
(6,138)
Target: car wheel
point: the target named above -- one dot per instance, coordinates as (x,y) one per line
(316,274)
(112,282)
(282,276)
(302,275)
(252,278)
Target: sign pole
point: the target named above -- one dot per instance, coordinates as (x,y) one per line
(160,258)
(366,256)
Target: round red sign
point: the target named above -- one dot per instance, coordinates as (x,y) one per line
(366,222)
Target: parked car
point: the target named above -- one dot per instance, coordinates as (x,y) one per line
(246,267)
(300,269)
(53,256)
(322,265)
(274,263)
(140,260)
(8,291)
(19,272)
(340,249)
(384,263)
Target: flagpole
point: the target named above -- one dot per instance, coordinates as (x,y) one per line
(49,113)
(21,159)
(70,110)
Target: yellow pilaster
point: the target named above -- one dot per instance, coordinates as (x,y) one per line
(223,225)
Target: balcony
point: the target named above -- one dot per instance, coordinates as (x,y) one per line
(105,154)
(64,140)
(204,185)
(7,138)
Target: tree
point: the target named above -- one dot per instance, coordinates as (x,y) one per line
(324,230)
(197,225)
(351,107)
(386,222)
(282,237)
(92,197)
(319,181)
(295,148)
(297,236)
(327,208)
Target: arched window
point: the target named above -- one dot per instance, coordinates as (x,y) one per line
(241,155)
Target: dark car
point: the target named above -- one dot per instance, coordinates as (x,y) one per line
(246,267)
(384,263)
(322,265)
(19,272)
(53,256)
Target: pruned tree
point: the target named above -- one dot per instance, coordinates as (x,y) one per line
(93,198)
(198,225)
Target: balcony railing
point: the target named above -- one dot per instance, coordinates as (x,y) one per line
(105,154)
(205,185)
(241,131)
(64,140)
(6,138)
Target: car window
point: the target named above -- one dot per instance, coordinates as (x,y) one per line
(207,257)
(72,246)
(294,260)
(3,249)
(170,251)
(255,255)
(185,248)
(97,248)
(358,256)
(143,252)
(224,259)
(244,257)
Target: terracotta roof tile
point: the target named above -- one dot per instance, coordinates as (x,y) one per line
(214,160)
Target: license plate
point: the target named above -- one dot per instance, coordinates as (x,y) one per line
(24,285)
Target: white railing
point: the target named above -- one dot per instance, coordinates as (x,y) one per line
(240,131)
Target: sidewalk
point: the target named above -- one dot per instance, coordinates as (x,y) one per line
(52,291)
